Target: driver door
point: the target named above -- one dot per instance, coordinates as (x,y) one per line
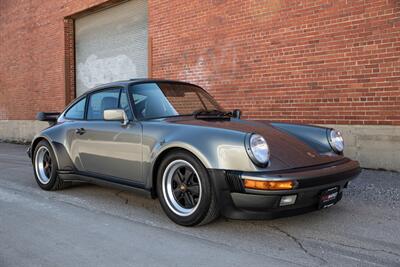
(107,148)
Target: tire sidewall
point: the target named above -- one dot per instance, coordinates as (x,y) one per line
(53,175)
(201,211)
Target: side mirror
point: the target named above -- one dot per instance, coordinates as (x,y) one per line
(237,113)
(116,115)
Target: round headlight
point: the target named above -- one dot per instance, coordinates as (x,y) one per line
(336,141)
(258,150)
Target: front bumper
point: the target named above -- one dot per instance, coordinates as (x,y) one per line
(238,202)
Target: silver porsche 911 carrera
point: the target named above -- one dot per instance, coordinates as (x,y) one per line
(174,141)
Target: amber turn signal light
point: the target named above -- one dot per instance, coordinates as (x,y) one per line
(269,185)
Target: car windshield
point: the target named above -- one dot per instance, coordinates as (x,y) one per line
(166,99)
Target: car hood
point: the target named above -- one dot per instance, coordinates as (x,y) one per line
(287,151)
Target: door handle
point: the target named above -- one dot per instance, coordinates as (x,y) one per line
(80,131)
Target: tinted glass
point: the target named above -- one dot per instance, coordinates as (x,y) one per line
(100,101)
(124,104)
(155,100)
(77,111)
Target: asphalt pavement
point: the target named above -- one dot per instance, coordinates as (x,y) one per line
(88,225)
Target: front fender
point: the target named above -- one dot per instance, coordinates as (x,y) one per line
(314,136)
(159,149)
(215,148)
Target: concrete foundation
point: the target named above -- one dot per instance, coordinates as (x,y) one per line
(375,146)
(20,130)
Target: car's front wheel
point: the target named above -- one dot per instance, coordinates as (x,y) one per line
(185,190)
(45,167)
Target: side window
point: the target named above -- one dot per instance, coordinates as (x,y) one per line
(77,111)
(124,104)
(100,101)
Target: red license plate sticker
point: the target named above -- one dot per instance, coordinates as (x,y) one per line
(328,197)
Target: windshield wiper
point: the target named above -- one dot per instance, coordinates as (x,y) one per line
(214,114)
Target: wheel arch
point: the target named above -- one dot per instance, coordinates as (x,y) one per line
(36,141)
(63,159)
(160,158)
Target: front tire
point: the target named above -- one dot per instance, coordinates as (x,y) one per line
(45,167)
(185,190)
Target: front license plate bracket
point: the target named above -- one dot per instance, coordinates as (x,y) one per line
(328,197)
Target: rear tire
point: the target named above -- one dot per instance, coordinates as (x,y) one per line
(185,190)
(45,168)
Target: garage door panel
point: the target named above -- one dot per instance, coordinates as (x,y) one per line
(111,45)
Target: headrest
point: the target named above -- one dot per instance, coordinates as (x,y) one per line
(109,102)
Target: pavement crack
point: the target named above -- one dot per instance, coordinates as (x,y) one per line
(118,194)
(297,241)
(360,247)
(162,227)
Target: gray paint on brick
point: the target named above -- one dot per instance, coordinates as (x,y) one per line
(111,45)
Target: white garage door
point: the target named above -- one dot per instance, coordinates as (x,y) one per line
(111,45)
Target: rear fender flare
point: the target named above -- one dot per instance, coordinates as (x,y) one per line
(64,162)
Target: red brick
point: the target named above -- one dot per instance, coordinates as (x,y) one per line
(310,62)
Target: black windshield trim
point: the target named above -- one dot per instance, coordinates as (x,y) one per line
(166,117)
(222,115)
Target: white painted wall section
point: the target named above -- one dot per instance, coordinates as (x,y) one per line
(111,45)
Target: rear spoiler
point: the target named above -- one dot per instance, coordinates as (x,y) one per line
(50,117)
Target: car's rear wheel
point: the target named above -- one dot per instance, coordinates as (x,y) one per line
(185,190)
(45,167)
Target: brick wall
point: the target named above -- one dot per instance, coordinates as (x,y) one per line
(326,62)
(35,52)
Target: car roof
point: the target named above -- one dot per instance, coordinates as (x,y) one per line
(125,83)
